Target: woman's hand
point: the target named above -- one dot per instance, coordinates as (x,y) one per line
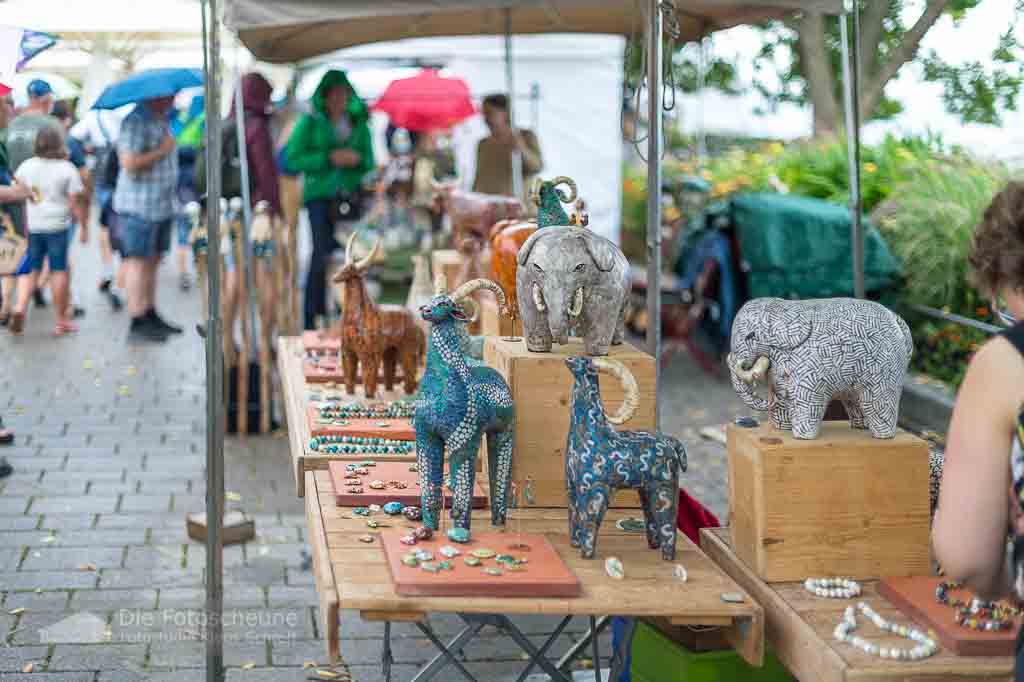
(23,192)
(345,158)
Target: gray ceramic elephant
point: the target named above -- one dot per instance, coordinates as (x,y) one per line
(570,281)
(812,352)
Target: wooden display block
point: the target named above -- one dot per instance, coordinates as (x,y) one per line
(545,575)
(235,528)
(448,262)
(542,389)
(389,471)
(915,596)
(493,323)
(399,429)
(326,368)
(843,504)
(320,341)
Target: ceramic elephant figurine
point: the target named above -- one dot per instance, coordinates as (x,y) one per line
(815,351)
(572,281)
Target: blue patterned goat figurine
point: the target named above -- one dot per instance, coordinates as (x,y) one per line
(599,459)
(458,402)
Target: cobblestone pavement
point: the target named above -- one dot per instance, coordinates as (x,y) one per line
(98,580)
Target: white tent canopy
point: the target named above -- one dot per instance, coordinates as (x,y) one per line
(292,30)
(76,20)
(586,146)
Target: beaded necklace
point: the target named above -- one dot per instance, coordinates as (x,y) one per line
(833,588)
(360,445)
(978,614)
(844,633)
(395,410)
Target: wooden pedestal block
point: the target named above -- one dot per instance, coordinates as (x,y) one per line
(448,262)
(542,389)
(493,323)
(844,504)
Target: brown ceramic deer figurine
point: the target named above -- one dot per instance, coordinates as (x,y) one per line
(373,335)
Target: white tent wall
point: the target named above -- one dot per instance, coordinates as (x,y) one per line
(579,78)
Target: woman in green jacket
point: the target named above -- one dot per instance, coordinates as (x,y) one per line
(333,150)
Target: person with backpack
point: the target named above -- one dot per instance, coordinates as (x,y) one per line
(97,131)
(332,148)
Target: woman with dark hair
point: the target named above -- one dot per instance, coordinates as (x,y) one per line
(332,148)
(984,457)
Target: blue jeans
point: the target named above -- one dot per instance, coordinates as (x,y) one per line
(324,244)
(49,245)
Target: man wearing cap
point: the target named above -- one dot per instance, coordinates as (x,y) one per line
(144,203)
(21,134)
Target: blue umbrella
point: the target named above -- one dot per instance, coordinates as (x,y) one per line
(148,85)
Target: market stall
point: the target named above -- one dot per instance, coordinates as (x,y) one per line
(522,377)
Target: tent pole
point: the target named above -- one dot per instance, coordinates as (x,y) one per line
(654,145)
(214,361)
(243,159)
(510,86)
(851,105)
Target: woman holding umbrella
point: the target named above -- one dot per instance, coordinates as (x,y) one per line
(332,148)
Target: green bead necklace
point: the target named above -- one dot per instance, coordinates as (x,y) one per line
(360,445)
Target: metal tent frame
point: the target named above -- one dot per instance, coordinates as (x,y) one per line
(654,39)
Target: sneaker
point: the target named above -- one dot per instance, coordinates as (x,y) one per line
(5,468)
(161,323)
(142,330)
(105,284)
(38,298)
(185,281)
(77,311)
(17,323)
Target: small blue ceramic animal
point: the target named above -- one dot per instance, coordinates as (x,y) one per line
(458,402)
(599,459)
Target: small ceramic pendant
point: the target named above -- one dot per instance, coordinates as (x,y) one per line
(377,485)
(460,535)
(383,425)
(732,597)
(412,513)
(424,555)
(413,468)
(366,538)
(423,533)
(680,574)
(373,523)
(505,559)
(483,553)
(445,565)
(449,551)
(471,560)
(354,491)
(368,463)
(490,570)
(352,474)
(407,539)
(393,508)
(374,507)
(613,567)
(361,511)
(410,560)
(430,567)
(630,525)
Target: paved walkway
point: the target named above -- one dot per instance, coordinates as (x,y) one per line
(98,580)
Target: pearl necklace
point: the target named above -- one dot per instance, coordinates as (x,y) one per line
(833,588)
(844,633)
(360,445)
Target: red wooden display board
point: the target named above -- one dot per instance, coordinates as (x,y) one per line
(545,575)
(915,596)
(399,429)
(388,471)
(320,341)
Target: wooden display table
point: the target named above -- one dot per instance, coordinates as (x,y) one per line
(800,625)
(290,356)
(354,575)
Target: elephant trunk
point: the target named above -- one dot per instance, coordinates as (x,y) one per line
(557,313)
(743,382)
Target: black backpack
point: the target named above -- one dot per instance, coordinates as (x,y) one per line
(230,164)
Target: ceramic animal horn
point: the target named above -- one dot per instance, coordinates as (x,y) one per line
(472,285)
(364,263)
(632,398)
(555,181)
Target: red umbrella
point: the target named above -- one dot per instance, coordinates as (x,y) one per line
(426,101)
(4,90)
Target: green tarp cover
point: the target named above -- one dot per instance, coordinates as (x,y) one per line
(798,247)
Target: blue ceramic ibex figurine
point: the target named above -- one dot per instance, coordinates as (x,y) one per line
(599,459)
(457,403)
